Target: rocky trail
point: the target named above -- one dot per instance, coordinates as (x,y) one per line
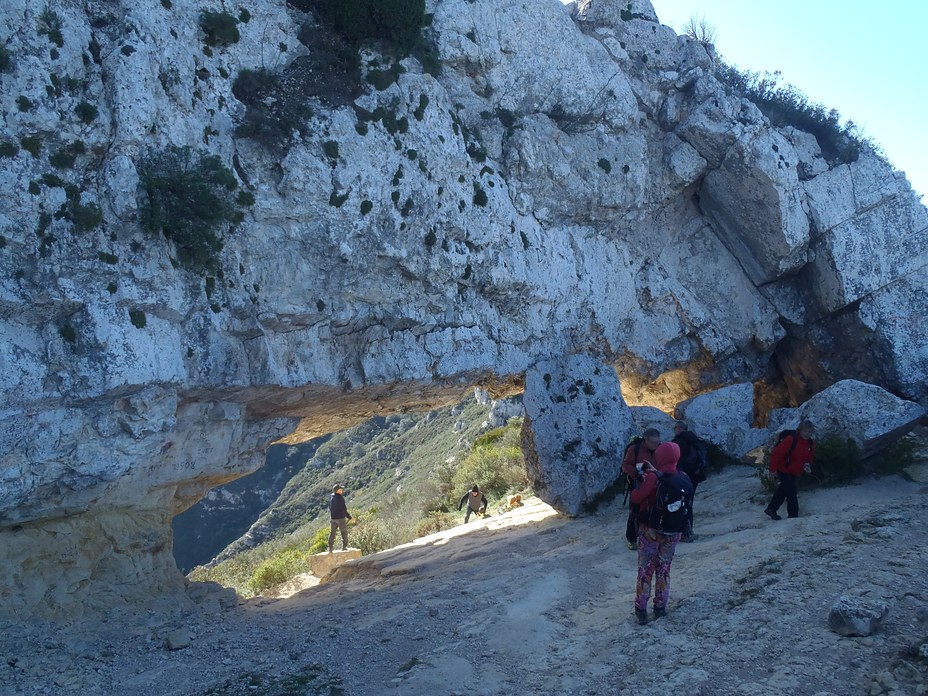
(530,602)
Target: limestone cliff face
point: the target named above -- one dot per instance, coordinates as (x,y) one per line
(574,180)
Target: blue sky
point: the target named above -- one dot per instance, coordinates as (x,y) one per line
(865,59)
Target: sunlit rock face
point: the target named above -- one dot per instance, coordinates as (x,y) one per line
(575,180)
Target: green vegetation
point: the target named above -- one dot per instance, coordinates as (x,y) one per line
(895,458)
(480,196)
(68,333)
(8,149)
(86,112)
(837,461)
(404,476)
(138,319)
(85,217)
(330,148)
(786,105)
(24,103)
(64,157)
(394,22)
(31,144)
(275,107)
(628,15)
(188,196)
(50,26)
(381,79)
(6,60)
(309,680)
(337,201)
(604,164)
(219,28)
(419,113)
(287,562)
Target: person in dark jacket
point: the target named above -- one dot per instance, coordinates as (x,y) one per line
(791,457)
(690,448)
(655,548)
(476,502)
(338,509)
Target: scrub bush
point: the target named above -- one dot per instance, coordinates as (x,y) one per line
(276,107)
(220,28)
(396,22)
(189,197)
(786,105)
(6,60)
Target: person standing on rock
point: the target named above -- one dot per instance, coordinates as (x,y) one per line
(655,547)
(692,463)
(639,451)
(791,457)
(476,502)
(338,509)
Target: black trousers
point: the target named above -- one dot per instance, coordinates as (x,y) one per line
(631,527)
(688,530)
(785,491)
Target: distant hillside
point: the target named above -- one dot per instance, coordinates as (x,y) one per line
(228,511)
(385,462)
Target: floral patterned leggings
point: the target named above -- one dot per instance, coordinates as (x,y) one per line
(655,554)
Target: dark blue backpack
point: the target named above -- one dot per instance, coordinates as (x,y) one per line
(674,499)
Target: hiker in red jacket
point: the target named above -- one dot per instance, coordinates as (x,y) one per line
(655,548)
(791,457)
(638,451)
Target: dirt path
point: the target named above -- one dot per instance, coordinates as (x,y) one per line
(533,603)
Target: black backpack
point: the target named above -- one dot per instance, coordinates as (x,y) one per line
(783,434)
(628,482)
(697,458)
(674,499)
(636,443)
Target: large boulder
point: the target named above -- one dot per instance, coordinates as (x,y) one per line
(724,417)
(865,413)
(646,417)
(575,430)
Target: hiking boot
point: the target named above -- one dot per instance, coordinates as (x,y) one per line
(659,612)
(642,616)
(772,514)
(633,545)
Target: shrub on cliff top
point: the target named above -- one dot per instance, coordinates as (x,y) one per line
(785,105)
(188,196)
